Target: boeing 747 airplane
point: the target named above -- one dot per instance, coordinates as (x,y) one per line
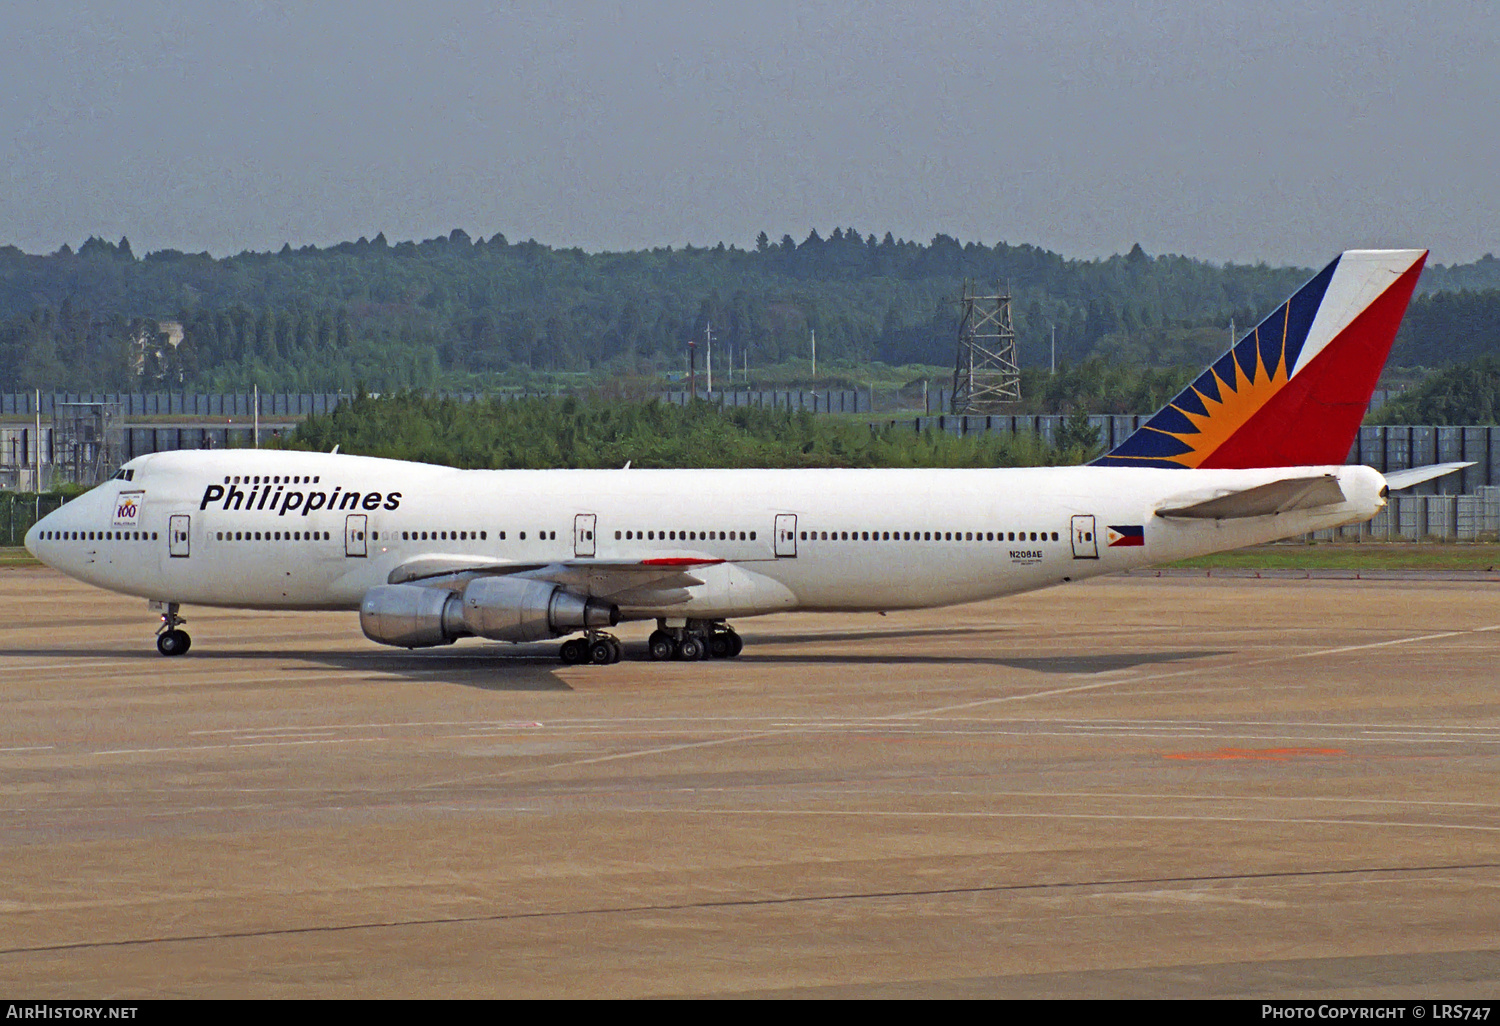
(1250,452)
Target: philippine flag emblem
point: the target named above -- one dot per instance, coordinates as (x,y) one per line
(1126,536)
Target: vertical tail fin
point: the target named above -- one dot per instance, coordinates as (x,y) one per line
(1293,392)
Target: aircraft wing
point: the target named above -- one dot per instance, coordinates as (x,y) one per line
(1263,500)
(653,582)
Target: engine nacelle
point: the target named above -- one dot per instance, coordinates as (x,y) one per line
(412,617)
(517,609)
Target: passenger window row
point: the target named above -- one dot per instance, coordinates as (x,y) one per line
(471,536)
(272,536)
(281,479)
(929,536)
(686,536)
(98,536)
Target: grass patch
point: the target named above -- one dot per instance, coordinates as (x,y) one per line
(16,556)
(1355,556)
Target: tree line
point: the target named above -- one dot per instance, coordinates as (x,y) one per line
(461,312)
(577,432)
(1466,394)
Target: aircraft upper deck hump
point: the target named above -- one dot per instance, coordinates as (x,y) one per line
(1292,392)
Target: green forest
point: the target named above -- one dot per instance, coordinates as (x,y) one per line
(456,312)
(1466,394)
(595,433)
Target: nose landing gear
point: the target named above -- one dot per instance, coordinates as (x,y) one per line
(171,640)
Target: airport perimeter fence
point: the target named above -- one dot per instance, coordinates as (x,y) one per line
(222,421)
(1384,447)
(304,404)
(191,421)
(1426,518)
(176,405)
(19,510)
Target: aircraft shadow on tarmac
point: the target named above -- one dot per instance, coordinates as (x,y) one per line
(989,653)
(533,667)
(1067,664)
(491,668)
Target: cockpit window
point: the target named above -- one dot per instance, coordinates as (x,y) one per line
(125,475)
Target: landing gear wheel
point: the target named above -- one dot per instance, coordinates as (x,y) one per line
(736,644)
(661,646)
(618,649)
(690,649)
(171,639)
(602,652)
(574,651)
(173,643)
(719,645)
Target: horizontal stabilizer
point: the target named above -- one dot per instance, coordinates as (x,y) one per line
(1399,479)
(1264,500)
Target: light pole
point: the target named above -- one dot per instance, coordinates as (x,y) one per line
(37,514)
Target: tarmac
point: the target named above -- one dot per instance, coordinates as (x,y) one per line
(1136,787)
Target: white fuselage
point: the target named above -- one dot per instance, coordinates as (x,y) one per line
(293,530)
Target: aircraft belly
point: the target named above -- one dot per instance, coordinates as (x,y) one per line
(910,579)
(729,589)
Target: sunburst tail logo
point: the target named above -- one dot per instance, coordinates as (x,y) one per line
(1294,390)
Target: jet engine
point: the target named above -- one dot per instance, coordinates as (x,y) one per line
(515,609)
(412,617)
(501,608)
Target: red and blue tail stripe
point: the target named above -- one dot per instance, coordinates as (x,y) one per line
(1293,391)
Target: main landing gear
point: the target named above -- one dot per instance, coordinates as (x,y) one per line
(595,647)
(171,640)
(699,639)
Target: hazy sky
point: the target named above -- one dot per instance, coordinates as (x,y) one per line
(1226,130)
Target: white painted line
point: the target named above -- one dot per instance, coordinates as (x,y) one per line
(1361,648)
(81,663)
(1117,816)
(221,748)
(1218,669)
(499,724)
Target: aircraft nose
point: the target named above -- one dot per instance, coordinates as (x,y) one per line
(45,523)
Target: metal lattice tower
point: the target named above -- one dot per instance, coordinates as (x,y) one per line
(986,376)
(88,440)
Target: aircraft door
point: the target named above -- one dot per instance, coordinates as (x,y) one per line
(583,534)
(355,527)
(179,536)
(1085,540)
(786,535)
